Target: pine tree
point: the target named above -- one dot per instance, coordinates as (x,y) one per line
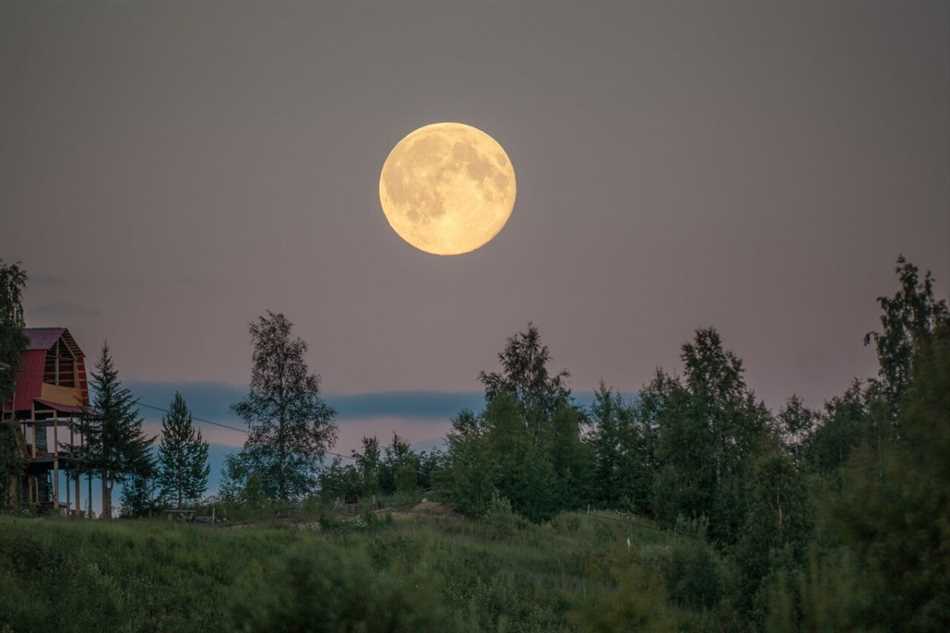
(117,449)
(182,456)
(291,427)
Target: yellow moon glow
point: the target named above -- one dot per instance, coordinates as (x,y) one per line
(447,188)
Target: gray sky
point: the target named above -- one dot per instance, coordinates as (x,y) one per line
(169,170)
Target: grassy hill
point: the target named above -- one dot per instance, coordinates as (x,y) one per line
(407,571)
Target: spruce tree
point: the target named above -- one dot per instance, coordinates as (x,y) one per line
(118,449)
(291,427)
(182,456)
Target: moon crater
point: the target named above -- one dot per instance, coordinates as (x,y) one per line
(447,188)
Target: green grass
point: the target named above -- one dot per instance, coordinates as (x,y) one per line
(430,573)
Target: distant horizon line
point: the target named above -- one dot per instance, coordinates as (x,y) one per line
(213,399)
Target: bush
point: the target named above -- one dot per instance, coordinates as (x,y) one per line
(694,576)
(501,520)
(638,601)
(316,589)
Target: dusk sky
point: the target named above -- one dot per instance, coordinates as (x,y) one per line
(170,170)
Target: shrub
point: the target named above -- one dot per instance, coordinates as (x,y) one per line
(638,601)
(316,589)
(694,576)
(501,520)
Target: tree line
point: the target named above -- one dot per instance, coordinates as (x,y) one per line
(806,518)
(817,517)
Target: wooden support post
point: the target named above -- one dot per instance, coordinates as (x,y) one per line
(33,421)
(78,481)
(56,455)
(72,457)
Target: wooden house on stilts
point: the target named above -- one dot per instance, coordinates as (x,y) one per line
(51,395)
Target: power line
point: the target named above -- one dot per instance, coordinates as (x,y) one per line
(224,426)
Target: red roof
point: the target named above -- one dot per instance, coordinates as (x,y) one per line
(29,379)
(29,375)
(42,337)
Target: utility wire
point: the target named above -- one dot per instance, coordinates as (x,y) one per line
(196,418)
(224,426)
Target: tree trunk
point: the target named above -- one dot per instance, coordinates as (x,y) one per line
(106,499)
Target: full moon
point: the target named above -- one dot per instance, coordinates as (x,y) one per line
(447,188)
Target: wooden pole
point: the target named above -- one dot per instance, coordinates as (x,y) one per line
(33,421)
(73,458)
(56,454)
(33,485)
(78,483)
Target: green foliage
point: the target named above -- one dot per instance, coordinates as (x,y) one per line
(880,560)
(526,446)
(709,429)
(694,575)
(450,575)
(794,426)
(368,465)
(241,484)
(291,427)
(827,594)
(913,313)
(842,427)
(502,520)
(11,465)
(182,456)
(525,377)
(637,601)
(777,527)
(374,473)
(498,454)
(140,496)
(806,521)
(467,479)
(12,343)
(317,589)
(623,453)
(399,471)
(894,510)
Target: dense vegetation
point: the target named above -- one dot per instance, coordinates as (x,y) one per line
(710,512)
(12,344)
(369,573)
(826,520)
